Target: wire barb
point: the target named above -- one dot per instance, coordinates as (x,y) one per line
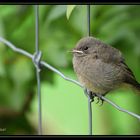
(36,59)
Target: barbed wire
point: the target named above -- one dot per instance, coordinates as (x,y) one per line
(43,63)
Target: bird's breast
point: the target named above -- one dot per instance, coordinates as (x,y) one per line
(87,74)
(95,75)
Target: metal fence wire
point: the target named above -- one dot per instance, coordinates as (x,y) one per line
(38,63)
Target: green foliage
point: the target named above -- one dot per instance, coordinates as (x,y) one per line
(64,104)
(70,8)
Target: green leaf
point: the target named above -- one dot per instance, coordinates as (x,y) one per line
(69,10)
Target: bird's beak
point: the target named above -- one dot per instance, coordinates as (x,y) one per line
(76,51)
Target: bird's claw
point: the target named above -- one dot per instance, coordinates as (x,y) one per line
(98,99)
(91,96)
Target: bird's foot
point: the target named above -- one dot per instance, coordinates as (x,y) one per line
(100,99)
(91,96)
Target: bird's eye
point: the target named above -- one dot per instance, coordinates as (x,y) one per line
(85,48)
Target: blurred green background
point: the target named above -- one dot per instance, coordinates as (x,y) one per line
(64,105)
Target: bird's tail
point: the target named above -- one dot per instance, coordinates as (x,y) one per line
(134,84)
(137,86)
(130,78)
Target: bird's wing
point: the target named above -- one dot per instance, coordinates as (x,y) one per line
(114,56)
(109,54)
(127,70)
(129,77)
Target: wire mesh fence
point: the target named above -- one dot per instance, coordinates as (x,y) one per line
(38,63)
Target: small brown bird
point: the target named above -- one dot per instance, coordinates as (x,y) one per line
(101,68)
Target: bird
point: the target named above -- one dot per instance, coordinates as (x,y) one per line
(101,68)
